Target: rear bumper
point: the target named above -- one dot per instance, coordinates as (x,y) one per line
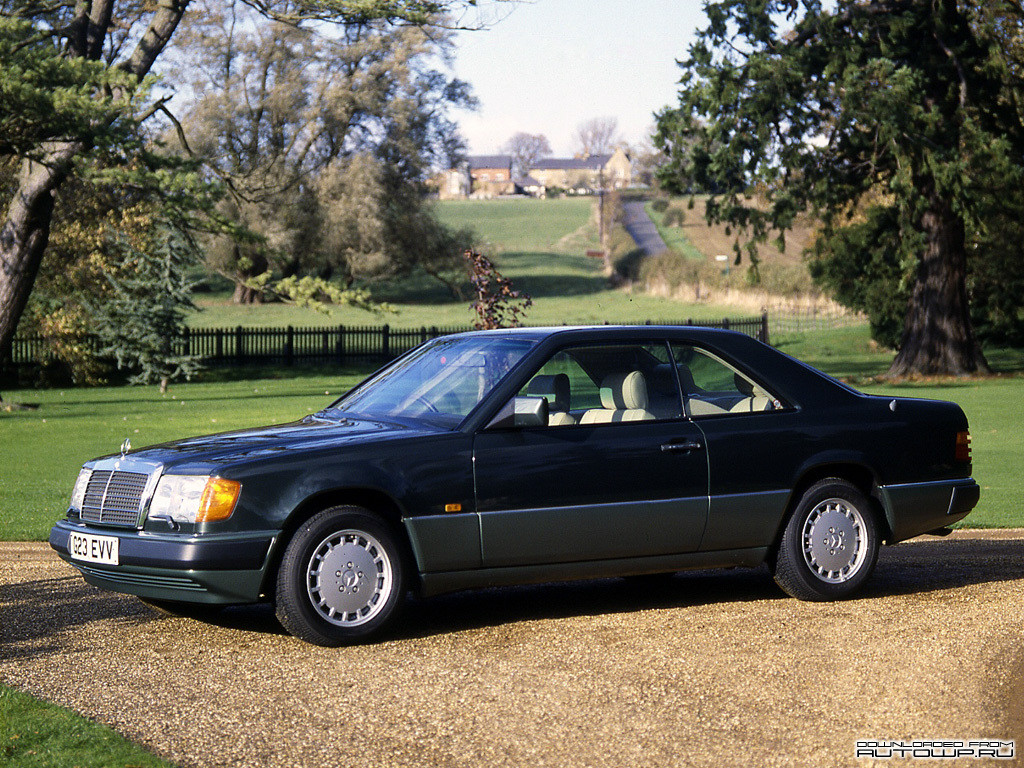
(915,508)
(215,569)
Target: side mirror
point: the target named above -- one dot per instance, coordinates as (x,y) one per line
(521,412)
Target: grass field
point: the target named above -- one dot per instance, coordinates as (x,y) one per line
(540,244)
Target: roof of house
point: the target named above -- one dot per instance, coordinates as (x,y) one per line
(489,161)
(592,163)
(529,181)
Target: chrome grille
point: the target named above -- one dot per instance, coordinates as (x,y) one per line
(114,497)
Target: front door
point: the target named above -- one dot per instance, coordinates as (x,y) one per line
(617,475)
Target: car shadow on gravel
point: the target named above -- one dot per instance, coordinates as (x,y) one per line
(35,613)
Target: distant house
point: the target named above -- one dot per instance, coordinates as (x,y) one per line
(490,175)
(585,174)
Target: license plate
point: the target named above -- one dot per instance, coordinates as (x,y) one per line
(94,549)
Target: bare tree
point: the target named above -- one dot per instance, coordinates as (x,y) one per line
(526,149)
(597,136)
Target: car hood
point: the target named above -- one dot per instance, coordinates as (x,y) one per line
(310,433)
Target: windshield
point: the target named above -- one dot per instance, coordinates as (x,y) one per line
(440,382)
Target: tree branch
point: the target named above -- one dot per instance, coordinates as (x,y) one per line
(156,37)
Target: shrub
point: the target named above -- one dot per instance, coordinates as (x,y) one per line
(674,217)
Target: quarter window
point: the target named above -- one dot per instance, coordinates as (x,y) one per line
(712,387)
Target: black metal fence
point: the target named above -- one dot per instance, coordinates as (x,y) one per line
(241,346)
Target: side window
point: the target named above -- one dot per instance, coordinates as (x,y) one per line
(607,383)
(711,386)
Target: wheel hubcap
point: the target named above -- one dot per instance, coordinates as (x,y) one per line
(834,542)
(349,578)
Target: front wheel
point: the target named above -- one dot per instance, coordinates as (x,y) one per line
(341,579)
(830,543)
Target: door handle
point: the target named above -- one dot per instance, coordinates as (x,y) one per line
(684,447)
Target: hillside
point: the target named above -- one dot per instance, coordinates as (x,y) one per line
(695,270)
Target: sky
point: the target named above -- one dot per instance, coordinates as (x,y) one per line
(551,64)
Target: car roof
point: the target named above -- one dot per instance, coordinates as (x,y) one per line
(544,332)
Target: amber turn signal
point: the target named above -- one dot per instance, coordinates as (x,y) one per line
(963,446)
(219,498)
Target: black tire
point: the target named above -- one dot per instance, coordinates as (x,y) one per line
(342,578)
(187,610)
(829,546)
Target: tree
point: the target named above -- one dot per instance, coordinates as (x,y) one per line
(113,253)
(497,303)
(72,82)
(526,149)
(324,140)
(142,324)
(597,136)
(816,108)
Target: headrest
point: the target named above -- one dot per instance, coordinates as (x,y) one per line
(555,388)
(748,388)
(624,391)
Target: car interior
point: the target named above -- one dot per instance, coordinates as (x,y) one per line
(636,382)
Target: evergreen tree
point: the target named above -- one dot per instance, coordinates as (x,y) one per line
(787,105)
(141,324)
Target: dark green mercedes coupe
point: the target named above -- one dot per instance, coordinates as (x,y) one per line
(527,455)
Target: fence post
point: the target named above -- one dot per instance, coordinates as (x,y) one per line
(386,342)
(433,332)
(764,327)
(220,344)
(239,350)
(186,338)
(341,344)
(725,323)
(289,347)
(423,334)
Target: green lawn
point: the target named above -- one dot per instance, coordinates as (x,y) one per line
(540,244)
(34,734)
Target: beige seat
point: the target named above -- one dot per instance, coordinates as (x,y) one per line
(555,389)
(623,398)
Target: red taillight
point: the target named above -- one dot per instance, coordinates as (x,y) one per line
(963,446)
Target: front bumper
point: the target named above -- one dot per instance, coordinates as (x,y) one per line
(212,568)
(915,508)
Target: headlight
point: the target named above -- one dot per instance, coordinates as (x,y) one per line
(194,498)
(78,494)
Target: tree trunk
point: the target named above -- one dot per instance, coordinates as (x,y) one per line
(26,232)
(938,338)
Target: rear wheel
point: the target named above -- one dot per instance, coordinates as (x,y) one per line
(829,546)
(341,579)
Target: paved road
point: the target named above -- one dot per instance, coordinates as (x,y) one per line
(642,229)
(703,669)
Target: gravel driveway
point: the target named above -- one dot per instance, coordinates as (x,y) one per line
(704,669)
